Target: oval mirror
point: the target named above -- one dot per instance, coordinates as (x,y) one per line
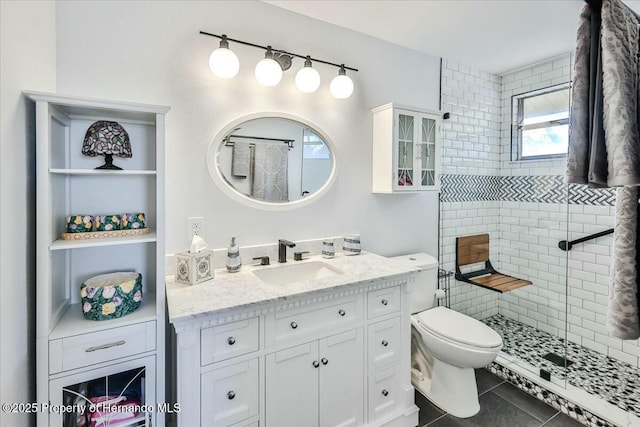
(272,162)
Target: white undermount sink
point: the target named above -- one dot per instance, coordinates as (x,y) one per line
(292,273)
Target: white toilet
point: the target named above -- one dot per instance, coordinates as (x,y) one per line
(446,345)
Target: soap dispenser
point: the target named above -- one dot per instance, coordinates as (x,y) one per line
(234,262)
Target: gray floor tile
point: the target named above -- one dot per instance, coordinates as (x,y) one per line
(428,411)
(486,380)
(562,420)
(524,401)
(494,412)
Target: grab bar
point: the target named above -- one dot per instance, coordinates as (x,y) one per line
(566,246)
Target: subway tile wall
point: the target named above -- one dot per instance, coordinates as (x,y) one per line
(522,205)
(471,165)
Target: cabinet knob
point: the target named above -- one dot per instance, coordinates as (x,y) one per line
(231,340)
(231,394)
(384,302)
(294,325)
(341,312)
(385,343)
(324,360)
(385,393)
(315,364)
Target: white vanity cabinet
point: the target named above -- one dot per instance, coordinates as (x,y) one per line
(313,359)
(406,149)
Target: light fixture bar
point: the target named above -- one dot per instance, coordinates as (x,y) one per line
(278,50)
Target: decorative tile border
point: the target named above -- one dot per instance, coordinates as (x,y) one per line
(463,188)
(561,404)
(537,188)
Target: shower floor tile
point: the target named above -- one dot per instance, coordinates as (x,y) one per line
(612,380)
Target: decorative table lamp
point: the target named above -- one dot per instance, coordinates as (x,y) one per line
(109,139)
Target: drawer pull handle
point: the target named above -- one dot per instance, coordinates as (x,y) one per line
(231,340)
(294,325)
(385,343)
(324,360)
(384,302)
(385,393)
(341,312)
(105,346)
(231,395)
(315,364)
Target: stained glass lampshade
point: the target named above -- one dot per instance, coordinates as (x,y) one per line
(108,139)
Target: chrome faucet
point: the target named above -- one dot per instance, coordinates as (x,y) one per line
(282,249)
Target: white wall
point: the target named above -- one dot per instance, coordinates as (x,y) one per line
(151,52)
(27,61)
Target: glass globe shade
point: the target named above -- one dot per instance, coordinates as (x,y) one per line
(268,72)
(341,87)
(224,63)
(307,79)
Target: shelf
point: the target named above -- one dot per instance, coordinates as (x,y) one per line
(101,172)
(61,244)
(74,323)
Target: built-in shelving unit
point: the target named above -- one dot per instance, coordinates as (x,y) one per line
(77,357)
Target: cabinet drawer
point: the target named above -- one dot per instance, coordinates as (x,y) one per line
(385,391)
(384,344)
(229,394)
(305,321)
(228,340)
(96,347)
(383,301)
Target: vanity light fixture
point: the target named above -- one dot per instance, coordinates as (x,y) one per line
(341,86)
(307,78)
(224,63)
(268,71)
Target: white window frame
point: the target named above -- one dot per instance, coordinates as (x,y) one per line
(517,116)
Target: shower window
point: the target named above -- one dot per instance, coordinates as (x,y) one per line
(540,123)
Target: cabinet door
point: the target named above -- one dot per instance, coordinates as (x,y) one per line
(292,386)
(341,380)
(126,387)
(404,158)
(428,154)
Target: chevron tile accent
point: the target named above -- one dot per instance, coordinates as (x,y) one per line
(464,188)
(538,189)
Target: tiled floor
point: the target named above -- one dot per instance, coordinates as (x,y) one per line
(501,405)
(612,380)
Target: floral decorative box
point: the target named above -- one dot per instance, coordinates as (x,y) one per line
(110,296)
(194,267)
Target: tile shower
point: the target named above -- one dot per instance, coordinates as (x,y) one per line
(527,209)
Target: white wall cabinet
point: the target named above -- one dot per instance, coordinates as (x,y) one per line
(406,149)
(76,356)
(325,359)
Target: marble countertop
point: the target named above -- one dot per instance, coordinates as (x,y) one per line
(229,291)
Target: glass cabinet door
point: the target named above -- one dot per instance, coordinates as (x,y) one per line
(405,146)
(427,152)
(119,395)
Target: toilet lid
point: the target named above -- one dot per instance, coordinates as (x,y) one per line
(454,326)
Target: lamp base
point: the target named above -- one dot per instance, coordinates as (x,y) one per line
(108,163)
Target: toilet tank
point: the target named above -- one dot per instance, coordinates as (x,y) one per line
(423,289)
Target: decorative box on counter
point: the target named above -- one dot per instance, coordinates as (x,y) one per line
(196,265)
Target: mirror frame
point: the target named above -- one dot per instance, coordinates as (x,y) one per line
(216,175)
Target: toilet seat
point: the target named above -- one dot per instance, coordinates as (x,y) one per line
(449,325)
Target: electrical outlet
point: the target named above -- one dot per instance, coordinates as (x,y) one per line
(196,226)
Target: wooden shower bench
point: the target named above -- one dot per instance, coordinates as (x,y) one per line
(475,249)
